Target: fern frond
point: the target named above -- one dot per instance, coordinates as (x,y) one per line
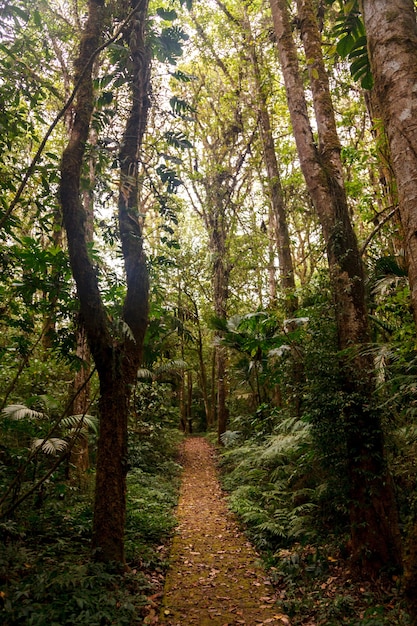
(230,438)
(285,446)
(173,366)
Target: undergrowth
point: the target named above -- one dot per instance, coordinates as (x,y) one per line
(46,575)
(292,512)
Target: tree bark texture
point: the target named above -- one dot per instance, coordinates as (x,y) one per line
(117,382)
(116,356)
(392,44)
(374,525)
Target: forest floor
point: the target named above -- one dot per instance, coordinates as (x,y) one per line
(215,577)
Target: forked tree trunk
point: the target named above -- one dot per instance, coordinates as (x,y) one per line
(116,356)
(392,45)
(373,516)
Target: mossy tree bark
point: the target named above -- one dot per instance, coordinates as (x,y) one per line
(116,355)
(373,514)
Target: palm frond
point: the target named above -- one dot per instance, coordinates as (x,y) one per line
(144,374)
(52,446)
(88,422)
(20,411)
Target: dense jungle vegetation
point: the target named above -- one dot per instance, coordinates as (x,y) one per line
(208,225)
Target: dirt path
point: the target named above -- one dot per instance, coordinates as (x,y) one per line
(214,578)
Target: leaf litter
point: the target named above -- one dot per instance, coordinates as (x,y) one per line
(215,577)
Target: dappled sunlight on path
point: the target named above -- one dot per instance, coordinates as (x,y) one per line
(214,578)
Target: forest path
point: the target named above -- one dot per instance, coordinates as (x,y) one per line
(213,578)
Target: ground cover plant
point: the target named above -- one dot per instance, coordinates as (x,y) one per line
(46,571)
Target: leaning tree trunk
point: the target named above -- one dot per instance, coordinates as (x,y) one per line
(392,45)
(116,356)
(373,517)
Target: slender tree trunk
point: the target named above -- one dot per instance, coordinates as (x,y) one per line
(392,45)
(373,517)
(221,362)
(272,281)
(202,366)
(221,271)
(276,196)
(222,411)
(79,457)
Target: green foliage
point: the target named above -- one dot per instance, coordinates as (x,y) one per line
(45,571)
(275,485)
(71,593)
(352,44)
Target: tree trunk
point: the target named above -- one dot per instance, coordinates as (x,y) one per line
(392,44)
(386,180)
(276,196)
(79,457)
(376,542)
(220,295)
(221,271)
(202,375)
(116,354)
(222,411)
(117,381)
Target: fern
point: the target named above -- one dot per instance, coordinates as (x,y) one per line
(230,438)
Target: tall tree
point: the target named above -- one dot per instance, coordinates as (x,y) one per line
(278,214)
(391,31)
(373,517)
(116,355)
